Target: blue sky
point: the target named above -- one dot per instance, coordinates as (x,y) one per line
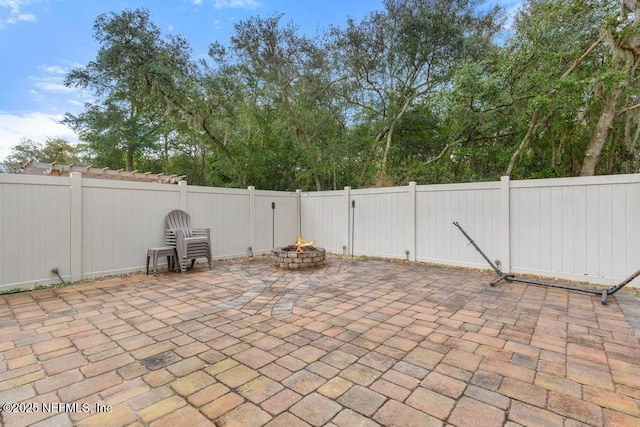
(41,40)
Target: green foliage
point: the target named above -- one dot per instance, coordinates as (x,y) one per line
(430,91)
(53,150)
(401,59)
(133,59)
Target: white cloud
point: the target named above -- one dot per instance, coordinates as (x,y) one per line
(29,17)
(15,14)
(50,81)
(52,85)
(34,125)
(76,102)
(54,69)
(236,4)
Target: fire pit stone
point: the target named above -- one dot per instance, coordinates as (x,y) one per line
(301,255)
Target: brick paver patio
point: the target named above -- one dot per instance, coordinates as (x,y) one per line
(361,342)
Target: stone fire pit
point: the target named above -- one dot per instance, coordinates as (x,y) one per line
(301,255)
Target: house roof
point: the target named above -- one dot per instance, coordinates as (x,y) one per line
(53,169)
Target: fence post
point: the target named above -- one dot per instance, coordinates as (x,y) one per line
(505,221)
(182,187)
(252,218)
(347,195)
(76,226)
(412,219)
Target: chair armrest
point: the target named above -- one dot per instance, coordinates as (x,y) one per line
(201,232)
(176,237)
(170,238)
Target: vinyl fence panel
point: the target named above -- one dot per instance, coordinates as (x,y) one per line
(274,227)
(34,229)
(476,207)
(382,222)
(325,219)
(576,228)
(120,221)
(227,213)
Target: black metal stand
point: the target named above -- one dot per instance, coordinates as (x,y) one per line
(512,277)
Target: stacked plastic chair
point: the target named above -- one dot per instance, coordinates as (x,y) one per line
(190,243)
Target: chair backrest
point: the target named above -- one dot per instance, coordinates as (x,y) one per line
(178,219)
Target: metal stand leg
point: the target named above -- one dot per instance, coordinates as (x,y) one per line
(506,277)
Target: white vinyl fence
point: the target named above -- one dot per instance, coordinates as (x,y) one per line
(35,229)
(91,227)
(572,228)
(413,222)
(585,229)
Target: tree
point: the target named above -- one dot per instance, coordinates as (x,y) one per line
(624,42)
(576,65)
(403,57)
(287,124)
(53,150)
(26,150)
(126,118)
(422,90)
(551,53)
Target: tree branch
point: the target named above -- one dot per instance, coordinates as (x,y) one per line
(536,115)
(446,148)
(626,110)
(582,58)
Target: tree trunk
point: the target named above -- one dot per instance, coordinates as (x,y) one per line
(387,147)
(600,134)
(625,58)
(536,115)
(524,143)
(131,148)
